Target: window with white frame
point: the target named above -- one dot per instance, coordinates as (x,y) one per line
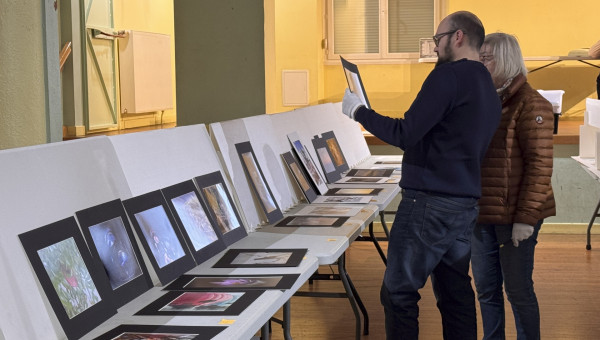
(379,29)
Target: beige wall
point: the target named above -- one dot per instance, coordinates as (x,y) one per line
(22,94)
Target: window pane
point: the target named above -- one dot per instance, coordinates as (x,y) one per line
(408,21)
(356,26)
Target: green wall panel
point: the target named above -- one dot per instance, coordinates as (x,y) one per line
(219,54)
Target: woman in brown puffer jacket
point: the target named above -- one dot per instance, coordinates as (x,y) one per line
(516,194)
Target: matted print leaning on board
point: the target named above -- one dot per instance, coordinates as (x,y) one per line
(74,284)
(258,182)
(110,239)
(339,160)
(213,190)
(308,163)
(197,225)
(332,174)
(160,236)
(300,176)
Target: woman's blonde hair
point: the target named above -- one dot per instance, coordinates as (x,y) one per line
(507,55)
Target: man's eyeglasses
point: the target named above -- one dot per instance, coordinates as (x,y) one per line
(437,37)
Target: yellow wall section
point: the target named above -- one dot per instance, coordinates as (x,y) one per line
(149,16)
(544,28)
(293,33)
(547,28)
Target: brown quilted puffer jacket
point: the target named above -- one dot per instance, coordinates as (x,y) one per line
(517,169)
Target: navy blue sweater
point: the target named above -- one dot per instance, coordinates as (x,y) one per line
(445,132)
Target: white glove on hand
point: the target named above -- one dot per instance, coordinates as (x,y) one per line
(350,104)
(520,232)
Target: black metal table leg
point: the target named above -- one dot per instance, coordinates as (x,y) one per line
(589,229)
(264,332)
(376,243)
(384,224)
(351,298)
(287,320)
(360,304)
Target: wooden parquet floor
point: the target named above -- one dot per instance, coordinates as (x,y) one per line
(567,283)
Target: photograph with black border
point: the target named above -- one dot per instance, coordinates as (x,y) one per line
(201,303)
(111,240)
(332,174)
(312,221)
(308,163)
(157,332)
(197,225)
(339,160)
(233,282)
(353,192)
(258,182)
(213,190)
(300,176)
(74,284)
(160,236)
(370,173)
(261,258)
(355,83)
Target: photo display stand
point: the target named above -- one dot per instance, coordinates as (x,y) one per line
(307,162)
(201,303)
(73,282)
(354,80)
(261,258)
(197,225)
(233,282)
(162,240)
(339,160)
(130,332)
(299,176)
(214,192)
(258,182)
(332,174)
(111,241)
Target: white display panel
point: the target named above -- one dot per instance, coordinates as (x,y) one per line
(159,158)
(40,185)
(225,136)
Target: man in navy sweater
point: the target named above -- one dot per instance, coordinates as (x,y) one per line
(444,135)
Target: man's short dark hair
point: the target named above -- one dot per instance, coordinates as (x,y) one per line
(470,24)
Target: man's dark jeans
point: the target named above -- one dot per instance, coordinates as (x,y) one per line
(431,235)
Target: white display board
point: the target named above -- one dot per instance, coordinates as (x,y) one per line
(40,185)
(351,138)
(156,159)
(268,148)
(225,136)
